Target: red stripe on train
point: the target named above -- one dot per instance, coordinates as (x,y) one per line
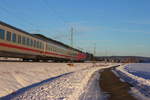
(19,47)
(33,50)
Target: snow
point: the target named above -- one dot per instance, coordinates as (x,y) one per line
(140,70)
(137,94)
(47,81)
(138,76)
(92,90)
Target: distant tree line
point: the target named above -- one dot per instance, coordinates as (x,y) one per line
(123,59)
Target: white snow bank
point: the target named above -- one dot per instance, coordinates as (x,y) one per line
(16,75)
(140,69)
(92,90)
(137,94)
(67,87)
(130,74)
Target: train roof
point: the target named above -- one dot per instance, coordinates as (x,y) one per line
(42,37)
(39,36)
(10,26)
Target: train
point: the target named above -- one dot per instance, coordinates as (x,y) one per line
(17,43)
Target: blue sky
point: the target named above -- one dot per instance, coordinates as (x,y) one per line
(118,27)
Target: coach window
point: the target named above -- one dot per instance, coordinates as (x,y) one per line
(23,40)
(14,37)
(2,34)
(51,48)
(55,49)
(34,43)
(31,42)
(37,44)
(8,36)
(40,45)
(19,39)
(27,41)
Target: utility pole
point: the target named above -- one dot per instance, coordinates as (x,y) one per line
(71,38)
(94,49)
(94,53)
(106,58)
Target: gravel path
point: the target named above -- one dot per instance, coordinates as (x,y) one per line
(116,89)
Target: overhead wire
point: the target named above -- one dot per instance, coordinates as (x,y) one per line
(63,21)
(37,30)
(61,18)
(4,10)
(45,2)
(24,20)
(17,16)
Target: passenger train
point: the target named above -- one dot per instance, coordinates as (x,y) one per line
(17,43)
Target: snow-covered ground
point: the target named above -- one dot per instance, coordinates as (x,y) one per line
(92,91)
(137,75)
(63,82)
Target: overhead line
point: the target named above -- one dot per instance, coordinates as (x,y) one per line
(18,17)
(54,11)
(13,16)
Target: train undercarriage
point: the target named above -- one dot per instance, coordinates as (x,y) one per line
(34,58)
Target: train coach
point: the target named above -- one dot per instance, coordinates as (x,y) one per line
(17,43)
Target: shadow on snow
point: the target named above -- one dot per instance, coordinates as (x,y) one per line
(22,90)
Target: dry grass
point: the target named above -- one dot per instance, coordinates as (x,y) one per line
(70,64)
